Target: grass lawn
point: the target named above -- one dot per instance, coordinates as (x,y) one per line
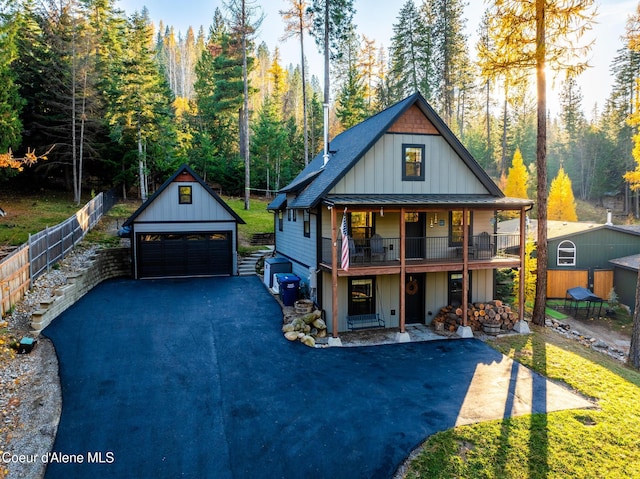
(28,214)
(600,443)
(257,219)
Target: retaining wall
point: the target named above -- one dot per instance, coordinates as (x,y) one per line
(106,264)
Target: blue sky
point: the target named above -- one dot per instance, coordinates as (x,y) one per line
(374,18)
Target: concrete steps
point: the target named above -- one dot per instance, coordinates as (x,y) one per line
(248,265)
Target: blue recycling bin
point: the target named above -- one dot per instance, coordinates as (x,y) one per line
(289,288)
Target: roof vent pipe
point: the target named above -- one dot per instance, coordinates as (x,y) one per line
(609,216)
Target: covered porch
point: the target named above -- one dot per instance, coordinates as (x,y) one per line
(429,234)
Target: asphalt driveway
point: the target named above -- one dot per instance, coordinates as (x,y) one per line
(192,378)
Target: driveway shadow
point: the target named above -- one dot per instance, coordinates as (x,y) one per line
(192,378)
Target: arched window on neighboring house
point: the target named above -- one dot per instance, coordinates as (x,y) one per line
(566,253)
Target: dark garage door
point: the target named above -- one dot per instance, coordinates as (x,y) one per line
(162,255)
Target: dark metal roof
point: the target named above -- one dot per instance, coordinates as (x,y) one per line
(627,262)
(164,185)
(428,200)
(351,145)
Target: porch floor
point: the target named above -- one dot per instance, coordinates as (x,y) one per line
(375,337)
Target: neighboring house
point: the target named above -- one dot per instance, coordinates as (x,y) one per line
(584,254)
(185,229)
(625,279)
(584,259)
(420,216)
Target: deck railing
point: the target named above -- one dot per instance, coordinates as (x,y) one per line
(430,249)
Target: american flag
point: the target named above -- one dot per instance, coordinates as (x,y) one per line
(345,243)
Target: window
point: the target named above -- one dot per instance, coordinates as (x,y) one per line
(294,213)
(362,296)
(566,253)
(184,195)
(455,289)
(280,220)
(289,214)
(361,224)
(456,233)
(413,162)
(307,223)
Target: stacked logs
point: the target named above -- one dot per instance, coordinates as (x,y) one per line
(491,313)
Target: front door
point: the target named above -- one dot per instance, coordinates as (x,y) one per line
(414,299)
(414,230)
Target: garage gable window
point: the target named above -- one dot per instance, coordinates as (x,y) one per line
(184,195)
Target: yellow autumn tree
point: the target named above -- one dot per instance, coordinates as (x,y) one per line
(562,204)
(518,178)
(515,185)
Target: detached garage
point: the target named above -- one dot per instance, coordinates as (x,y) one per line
(185,229)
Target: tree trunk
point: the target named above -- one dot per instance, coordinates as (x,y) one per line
(541,164)
(304,93)
(245,107)
(634,350)
(143,181)
(488,113)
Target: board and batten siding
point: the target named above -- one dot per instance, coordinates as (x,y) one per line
(388,295)
(166,207)
(445,172)
(595,248)
(292,243)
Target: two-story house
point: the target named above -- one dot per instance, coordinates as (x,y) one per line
(420,217)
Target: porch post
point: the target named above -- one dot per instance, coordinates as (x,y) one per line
(403,265)
(465,265)
(523,240)
(334,274)
(465,331)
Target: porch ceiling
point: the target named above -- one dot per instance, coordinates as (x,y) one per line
(412,201)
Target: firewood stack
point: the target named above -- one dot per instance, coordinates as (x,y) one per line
(491,313)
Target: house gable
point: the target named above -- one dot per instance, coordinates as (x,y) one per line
(380,169)
(166,206)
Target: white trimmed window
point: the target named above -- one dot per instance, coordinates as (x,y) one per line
(566,253)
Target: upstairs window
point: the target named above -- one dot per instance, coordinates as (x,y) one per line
(566,253)
(184,195)
(413,162)
(306,217)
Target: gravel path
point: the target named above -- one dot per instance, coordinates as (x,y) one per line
(31,402)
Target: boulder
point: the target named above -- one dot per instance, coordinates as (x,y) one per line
(311,317)
(291,335)
(288,328)
(308,341)
(319,324)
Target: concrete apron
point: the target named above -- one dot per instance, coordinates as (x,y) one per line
(497,391)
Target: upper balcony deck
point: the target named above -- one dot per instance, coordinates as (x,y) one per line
(378,255)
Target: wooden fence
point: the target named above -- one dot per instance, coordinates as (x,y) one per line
(559,281)
(43,250)
(14,278)
(50,245)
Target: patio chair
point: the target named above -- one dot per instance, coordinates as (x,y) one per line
(378,250)
(483,247)
(354,252)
